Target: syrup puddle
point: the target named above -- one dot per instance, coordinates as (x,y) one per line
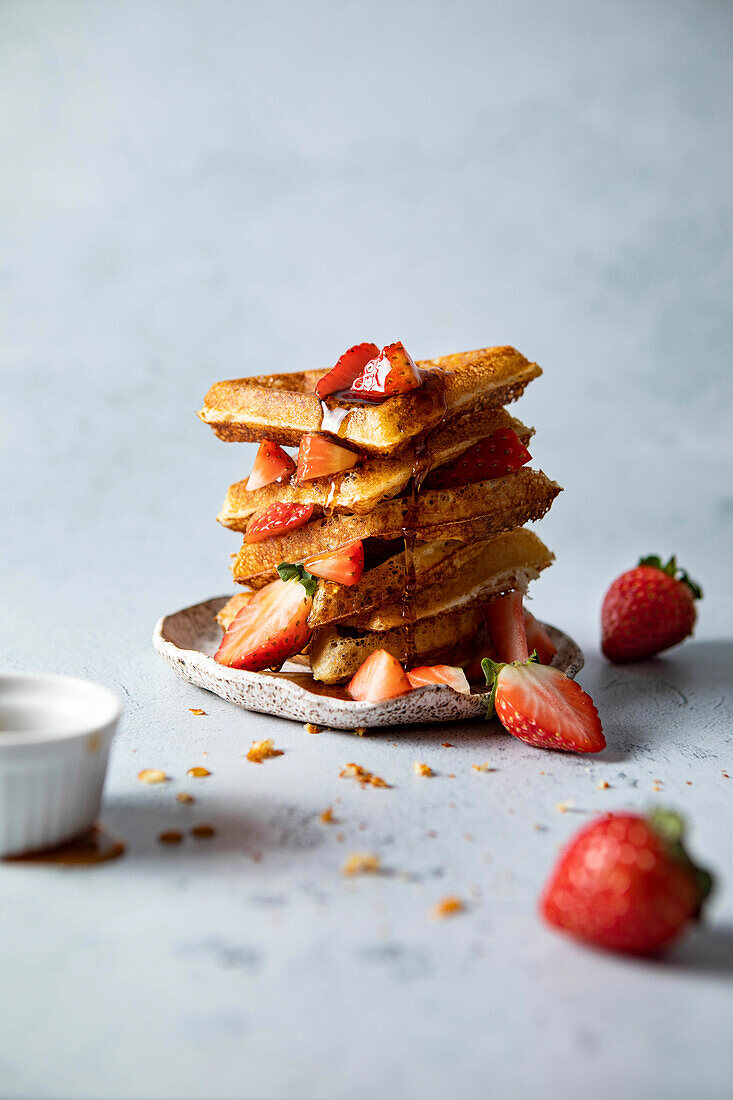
(94,846)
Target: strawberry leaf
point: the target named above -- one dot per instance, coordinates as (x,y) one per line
(670,828)
(290,572)
(673,570)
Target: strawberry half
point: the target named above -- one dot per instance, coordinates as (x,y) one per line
(543,707)
(497,455)
(505,620)
(319,456)
(346,370)
(270,463)
(272,627)
(278,519)
(393,371)
(440,674)
(538,640)
(344,565)
(626,883)
(380,677)
(647,610)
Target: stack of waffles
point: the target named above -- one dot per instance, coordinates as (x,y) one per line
(399,525)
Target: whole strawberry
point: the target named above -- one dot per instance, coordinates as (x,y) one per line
(625,882)
(647,609)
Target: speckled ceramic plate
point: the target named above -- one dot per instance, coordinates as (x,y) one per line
(187,639)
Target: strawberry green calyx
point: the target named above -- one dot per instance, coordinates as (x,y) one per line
(673,570)
(670,828)
(290,572)
(491,670)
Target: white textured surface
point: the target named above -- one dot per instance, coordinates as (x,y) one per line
(195,191)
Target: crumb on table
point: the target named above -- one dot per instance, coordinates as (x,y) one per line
(421,769)
(262,750)
(361,863)
(326,817)
(362,776)
(485,767)
(152,775)
(447,907)
(311,727)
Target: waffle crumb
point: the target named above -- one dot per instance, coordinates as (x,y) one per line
(197,711)
(327,816)
(362,776)
(198,772)
(603,785)
(360,731)
(310,727)
(361,863)
(446,744)
(563,807)
(262,750)
(421,769)
(483,767)
(170,836)
(203,832)
(447,907)
(184,796)
(152,775)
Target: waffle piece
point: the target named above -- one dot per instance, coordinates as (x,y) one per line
(448,575)
(470,513)
(379,477)
(281,407)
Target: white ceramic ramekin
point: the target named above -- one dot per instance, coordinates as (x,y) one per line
(55,737)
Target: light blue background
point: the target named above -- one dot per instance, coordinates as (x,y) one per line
(197,191)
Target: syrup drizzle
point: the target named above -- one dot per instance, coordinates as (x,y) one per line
(92,847)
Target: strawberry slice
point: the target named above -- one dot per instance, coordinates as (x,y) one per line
(440,674)
(347,368)
(319,456)
(344,565)
(380,677)
(271,463)
(278,519)
(272,627)
(538,639)
(541,706)
(497,455)
(505,620)
(392,372)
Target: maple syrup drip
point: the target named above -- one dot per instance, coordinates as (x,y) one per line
(305,680)
(94,846)
(198,773)
(203,832)
(332,419)
(170,836)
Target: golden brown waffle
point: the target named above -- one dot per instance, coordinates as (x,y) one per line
(469,513)
(281,407)
(448,575)
(380,476)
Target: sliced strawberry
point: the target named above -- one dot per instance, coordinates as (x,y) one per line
(541,706)
(347,368)
(344,565)
(392,372)
(497,455)
(278,519)
(506,625)
(380,677)
(319,456)
(272,627)
(440,674)
(538,639)
(271,463)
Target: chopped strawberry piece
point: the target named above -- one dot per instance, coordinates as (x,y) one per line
(392,372)
(497,455)
(347,369)
(538,639)
(440,674)
(271,463)
(542,706)
(319,456)
(272,627)
(380,677)
(505,620)
(278,519)
(344,565)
